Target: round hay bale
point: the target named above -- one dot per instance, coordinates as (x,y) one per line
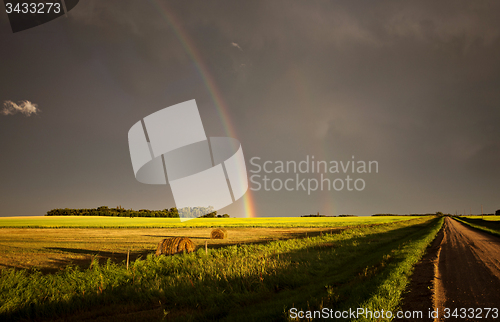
(174,245)
(218,233)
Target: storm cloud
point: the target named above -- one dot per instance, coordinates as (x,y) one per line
(412,85)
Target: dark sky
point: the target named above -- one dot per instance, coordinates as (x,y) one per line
(414,86)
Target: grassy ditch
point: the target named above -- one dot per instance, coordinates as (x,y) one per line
(360,267)
(489,226)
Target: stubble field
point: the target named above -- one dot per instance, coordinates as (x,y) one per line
(257,273)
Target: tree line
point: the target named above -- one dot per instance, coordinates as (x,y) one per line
(188,212)
(115,212)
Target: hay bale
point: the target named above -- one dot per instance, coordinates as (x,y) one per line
(218,233)
(174,245)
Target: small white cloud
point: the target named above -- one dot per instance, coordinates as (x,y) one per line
(25,107)
(236,45)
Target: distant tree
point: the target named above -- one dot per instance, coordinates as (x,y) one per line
(173,213)
(497,213)
(210,215)
(313,215)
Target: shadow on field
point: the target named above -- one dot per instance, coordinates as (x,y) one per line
(119,257)
(163,236)
(336,273)
(9,266)
(283,234)
(84,263)
(494,225)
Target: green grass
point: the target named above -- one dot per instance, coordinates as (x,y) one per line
(121,222)
(490,224)
(360,267)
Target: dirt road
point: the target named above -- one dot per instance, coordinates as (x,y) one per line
(468,271)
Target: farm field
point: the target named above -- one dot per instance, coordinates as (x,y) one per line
(144,222)
(258,275)
(50,249)
(53,249)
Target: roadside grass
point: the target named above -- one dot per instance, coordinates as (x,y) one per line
(391,284)
(490,225)
(143,222)
(486,218)
(360,267)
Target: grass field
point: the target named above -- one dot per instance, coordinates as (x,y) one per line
(142,222)
(365,266)
(34,242)
(490,224)
(52,249)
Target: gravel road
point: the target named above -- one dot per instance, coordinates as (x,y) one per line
(468,271)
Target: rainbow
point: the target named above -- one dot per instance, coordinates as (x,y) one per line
(209,82)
